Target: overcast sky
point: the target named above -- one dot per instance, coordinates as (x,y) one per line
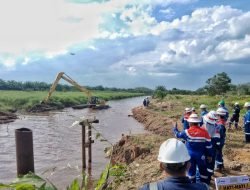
(125,43)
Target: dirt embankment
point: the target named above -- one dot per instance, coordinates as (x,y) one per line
(152,121)
(6,117)
(143,168)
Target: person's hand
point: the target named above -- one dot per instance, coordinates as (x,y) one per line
(175,128)
(209,159)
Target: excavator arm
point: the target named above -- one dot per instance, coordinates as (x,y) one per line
(62,75)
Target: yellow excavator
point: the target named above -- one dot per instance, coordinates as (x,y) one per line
(93,101)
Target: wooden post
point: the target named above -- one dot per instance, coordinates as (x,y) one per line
(24,151)
(84,124)
(83,147)
(89,144)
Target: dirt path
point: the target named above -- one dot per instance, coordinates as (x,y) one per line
(144,168)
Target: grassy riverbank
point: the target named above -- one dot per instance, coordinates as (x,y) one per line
(159,118)
(23,100)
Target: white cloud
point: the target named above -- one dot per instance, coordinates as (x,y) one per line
(49,26)
(169,2)
(208,36)
(163,74)
(131,40)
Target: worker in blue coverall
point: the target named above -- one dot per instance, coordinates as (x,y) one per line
(247,122)
(221,124)
(221,104)
(175,167)
(187,113)
(214,132)
(235,117)
(199,146)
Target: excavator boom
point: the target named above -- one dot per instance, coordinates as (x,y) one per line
(62,75)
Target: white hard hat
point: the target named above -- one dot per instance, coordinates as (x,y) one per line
(236,103)
(203,106)
(210,117)
(247,104)
(173,151)
(193,118)
(193,108)
(188,110)
(221,111)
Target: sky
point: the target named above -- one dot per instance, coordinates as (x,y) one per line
(125,43)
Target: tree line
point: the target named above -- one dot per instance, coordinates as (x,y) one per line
(218,84)
(43,86)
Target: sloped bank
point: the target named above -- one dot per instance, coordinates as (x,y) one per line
(152,121)
(139,152)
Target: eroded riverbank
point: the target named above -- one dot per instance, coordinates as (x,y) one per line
(145,167)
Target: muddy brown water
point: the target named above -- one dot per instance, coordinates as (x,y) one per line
(57,145)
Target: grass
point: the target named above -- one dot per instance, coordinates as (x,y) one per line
(23,100)
(181,101)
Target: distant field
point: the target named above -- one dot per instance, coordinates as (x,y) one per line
(179,102)
(23,100)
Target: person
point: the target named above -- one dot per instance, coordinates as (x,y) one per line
(175,167)
(221,124)
(147,101)
(221,104)
(235,117)
(203,108)
(199,146)
(213,130)
(204,111)
(144,102)
(193,110)
(247,122)
(185,117)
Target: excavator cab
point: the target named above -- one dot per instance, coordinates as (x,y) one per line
(94,100)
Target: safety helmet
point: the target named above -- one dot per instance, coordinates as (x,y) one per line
(193,118)
(193,108)
(221,103)
(187,110)
(203,106)
(214,113)
(173,151)
(210,117)
(247,104)
(221,111)
(236,103)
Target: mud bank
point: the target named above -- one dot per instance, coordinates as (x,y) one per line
(145,168)
(153,121)
(6,117)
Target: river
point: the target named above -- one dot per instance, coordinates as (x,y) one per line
(57,145)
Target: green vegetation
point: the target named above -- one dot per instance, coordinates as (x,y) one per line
(219,84)
(42,86)
(34,182)
(179,102)
(23,100)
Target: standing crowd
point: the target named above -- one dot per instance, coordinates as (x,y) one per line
(200,152)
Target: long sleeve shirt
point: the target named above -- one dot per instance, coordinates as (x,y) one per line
(198,141)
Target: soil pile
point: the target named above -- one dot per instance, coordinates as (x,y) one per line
(45,107)
(126,150)
(152,121)
(7,117)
